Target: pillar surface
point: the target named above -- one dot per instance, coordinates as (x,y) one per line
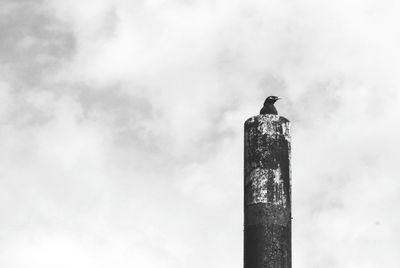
(267,192)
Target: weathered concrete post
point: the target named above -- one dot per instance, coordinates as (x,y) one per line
(267,192)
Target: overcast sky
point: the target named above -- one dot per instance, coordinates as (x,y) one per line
(121,129)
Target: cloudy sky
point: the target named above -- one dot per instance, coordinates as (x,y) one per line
(121,129)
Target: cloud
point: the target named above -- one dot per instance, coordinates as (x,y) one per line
(121,129)
(34,43)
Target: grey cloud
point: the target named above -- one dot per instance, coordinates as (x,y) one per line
(33,42)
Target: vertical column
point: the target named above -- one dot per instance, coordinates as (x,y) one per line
(267,192)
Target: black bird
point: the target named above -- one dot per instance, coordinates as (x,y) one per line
(269,107)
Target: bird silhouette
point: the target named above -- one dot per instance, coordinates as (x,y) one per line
(269,107)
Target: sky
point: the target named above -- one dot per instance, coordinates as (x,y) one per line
(121,129)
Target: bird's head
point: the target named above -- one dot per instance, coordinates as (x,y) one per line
(271,99)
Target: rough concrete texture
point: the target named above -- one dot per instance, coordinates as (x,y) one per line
(267,197)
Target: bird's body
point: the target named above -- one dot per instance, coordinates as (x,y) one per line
(269,107)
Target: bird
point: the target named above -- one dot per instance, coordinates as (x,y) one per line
(269,107)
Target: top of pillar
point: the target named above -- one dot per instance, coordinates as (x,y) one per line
(267,117)
(269,124)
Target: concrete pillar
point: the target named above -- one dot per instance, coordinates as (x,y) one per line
(267,192)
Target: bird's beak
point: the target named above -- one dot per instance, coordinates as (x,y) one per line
(278,98)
